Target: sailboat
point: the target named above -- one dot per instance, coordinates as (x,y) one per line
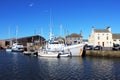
(17,47)
(8,49)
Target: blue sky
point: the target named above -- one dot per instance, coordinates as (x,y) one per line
(33,17)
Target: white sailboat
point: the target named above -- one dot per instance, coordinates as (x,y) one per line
(17,47)
(8,49)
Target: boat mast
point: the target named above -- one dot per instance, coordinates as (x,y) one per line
(51,35)
(61,30)
(16,33)
(9,36)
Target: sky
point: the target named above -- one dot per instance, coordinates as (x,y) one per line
(35,17)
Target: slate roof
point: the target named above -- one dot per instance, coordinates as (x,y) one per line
(116,36)
(101,30)
(74,35)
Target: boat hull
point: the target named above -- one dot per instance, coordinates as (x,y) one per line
(8,50)
(47,54)
(76,50)
(30,53)
(73,50)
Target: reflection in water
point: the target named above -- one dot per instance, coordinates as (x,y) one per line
(21,67)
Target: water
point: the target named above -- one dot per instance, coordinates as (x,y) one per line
(16,66)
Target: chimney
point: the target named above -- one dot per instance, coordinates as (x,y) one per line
(109,28)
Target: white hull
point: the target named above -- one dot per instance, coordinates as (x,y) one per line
(76,50)
(8,50)
(43,53)
(16,47)
(72,50)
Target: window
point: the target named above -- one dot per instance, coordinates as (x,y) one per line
(78,38)
(110,42)
(98,38)
(107,42)
(75,39)
(107,37)
(75,42)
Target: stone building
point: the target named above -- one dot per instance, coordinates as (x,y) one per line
(60,39)
(25,41)
(101,37)
(116,38)
(73,39)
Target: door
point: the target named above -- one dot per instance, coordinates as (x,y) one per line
(103,44)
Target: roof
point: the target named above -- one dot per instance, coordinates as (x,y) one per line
(116,36)
(101,30)
(74,35)
(59,38)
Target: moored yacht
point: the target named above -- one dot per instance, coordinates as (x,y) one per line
(55,49)
(17,47)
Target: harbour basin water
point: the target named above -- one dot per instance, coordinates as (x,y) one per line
(17,66)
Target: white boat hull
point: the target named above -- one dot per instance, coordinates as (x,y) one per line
(9,50)
(73,50)
(76,50)
(47,54)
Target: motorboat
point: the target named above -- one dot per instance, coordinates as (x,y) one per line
(17,47)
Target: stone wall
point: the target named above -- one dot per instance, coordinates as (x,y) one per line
(102,53)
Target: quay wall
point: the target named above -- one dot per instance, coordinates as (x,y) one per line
(100,53)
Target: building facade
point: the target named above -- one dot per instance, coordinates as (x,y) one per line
(26,41)
(116,39)
(102,37)
(60,39)
(73,39)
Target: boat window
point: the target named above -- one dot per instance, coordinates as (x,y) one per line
(54,43)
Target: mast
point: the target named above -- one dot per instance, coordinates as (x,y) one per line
(9,36)
(51,35)
(61,30)
(16,33)
(9,33)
